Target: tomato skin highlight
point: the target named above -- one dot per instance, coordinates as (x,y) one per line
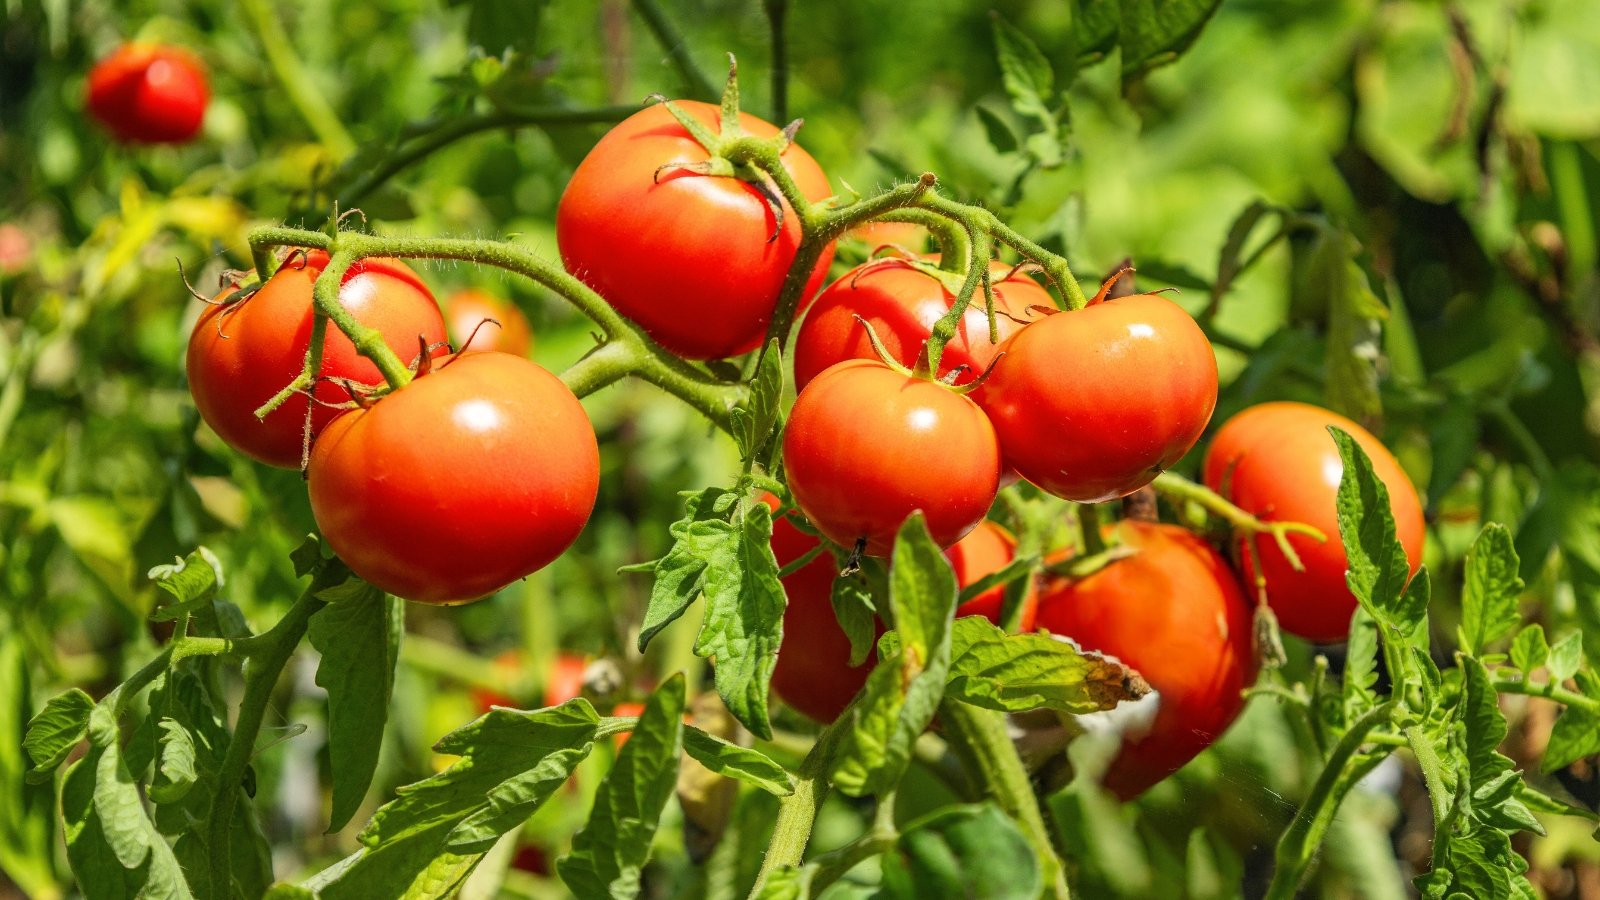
(985,550)
(1176,614)
(684,255)
(463,481)
(902,304)
(466,312)
(1091,405)
(149,94)
(866,446)
(1277,461)
(241,355)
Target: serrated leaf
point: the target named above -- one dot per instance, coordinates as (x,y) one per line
(307,556)
(358,634)
(764,405)
(1566,657)
(903,692)
(1024,70)
(1377,562)
(972,851)
(1020,672)
(1154,32)
(177,763)
(609,853)
(852,606)
(1002,137)
(749,766)
(512,801)
(1485,724)
(55,730)
(1529,650)
(1489,599)
(126,828)
(191,583)
(1576,734)
(1360,666)
(743,624)
(680,573)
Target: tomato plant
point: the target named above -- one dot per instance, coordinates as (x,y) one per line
(478,320)
(247,346)
(149,94)
(1142,387)
(705,255)
(866,446)
(489,457)
(1278,460)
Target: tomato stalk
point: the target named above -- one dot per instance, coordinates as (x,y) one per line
(1181,489)
(798,811)
(982,249)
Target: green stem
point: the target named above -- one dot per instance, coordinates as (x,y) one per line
(296,82)
(369,342)
(1548,690)
(269,652)
(1299,843)
(981,219)
(982,248)
(980,736)
(777,16)
(830,867)
(1181,489)
(798,811)
(1094,542)
(677,49)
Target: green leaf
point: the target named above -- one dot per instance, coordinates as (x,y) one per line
(191,583)
(1489,600)
(1019,672)
(496,26)
(511,802)
(358,634)
(1360,666)
(680,574)
(1485,724)
(1529,650)
(743,625)
(177,763)
(1576,734)
(94,865)
(1354,341)
(1025,72)
(762,411)
(94,530)
(27,811)
(749,766)
(1154,32)
(903,692)
(55,730)
(126,829)
(786,883)
(1002,137)
(1012,571)
(609,853)
(1377,562)
(1566,657)
(852,606)
(973,851)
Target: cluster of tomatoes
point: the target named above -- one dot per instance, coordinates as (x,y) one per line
(484,467)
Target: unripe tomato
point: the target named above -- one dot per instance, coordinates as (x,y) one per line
(902,303)
(984,551)
(1278,462)
(149,94)
(459,483)
(243,354)
(684,255)
(472,315)
(866,447)
(1175,613)
(813,672)
(1092,405)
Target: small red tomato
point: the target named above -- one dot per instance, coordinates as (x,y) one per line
(1175,613)
(243,354)
(813,672)
(1278,462)
(149,94)
(472,315)
(1091,405)
(902,303)
(984,551)
(686,256)
(468,478)
(866,447)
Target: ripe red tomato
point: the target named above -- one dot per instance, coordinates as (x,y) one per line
(902,303)
(1092,405)
(985,550)
(468,311)
(149,94)
(813,672)
(468,478)
(242,354)
(686,256)
(866,446)
(1278,461)
(1175,613)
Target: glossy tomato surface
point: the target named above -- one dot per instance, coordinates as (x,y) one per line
(902,303)
(866,446)
(489,322)
(1092,405)
(468,478)
(149,94)
(1278,462)
(1176,614)
(984,551)
(243,354)
(684,255)
(813,672)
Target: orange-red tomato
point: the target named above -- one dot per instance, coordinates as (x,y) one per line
(149,94)
(1175,613)
(985,550)
(242,354)
(472,315)
(1091,405)
(468,478)
(867,446)
(902,303)
(686,256)
(1278,462)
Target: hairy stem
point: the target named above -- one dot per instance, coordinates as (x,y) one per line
(798,811)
